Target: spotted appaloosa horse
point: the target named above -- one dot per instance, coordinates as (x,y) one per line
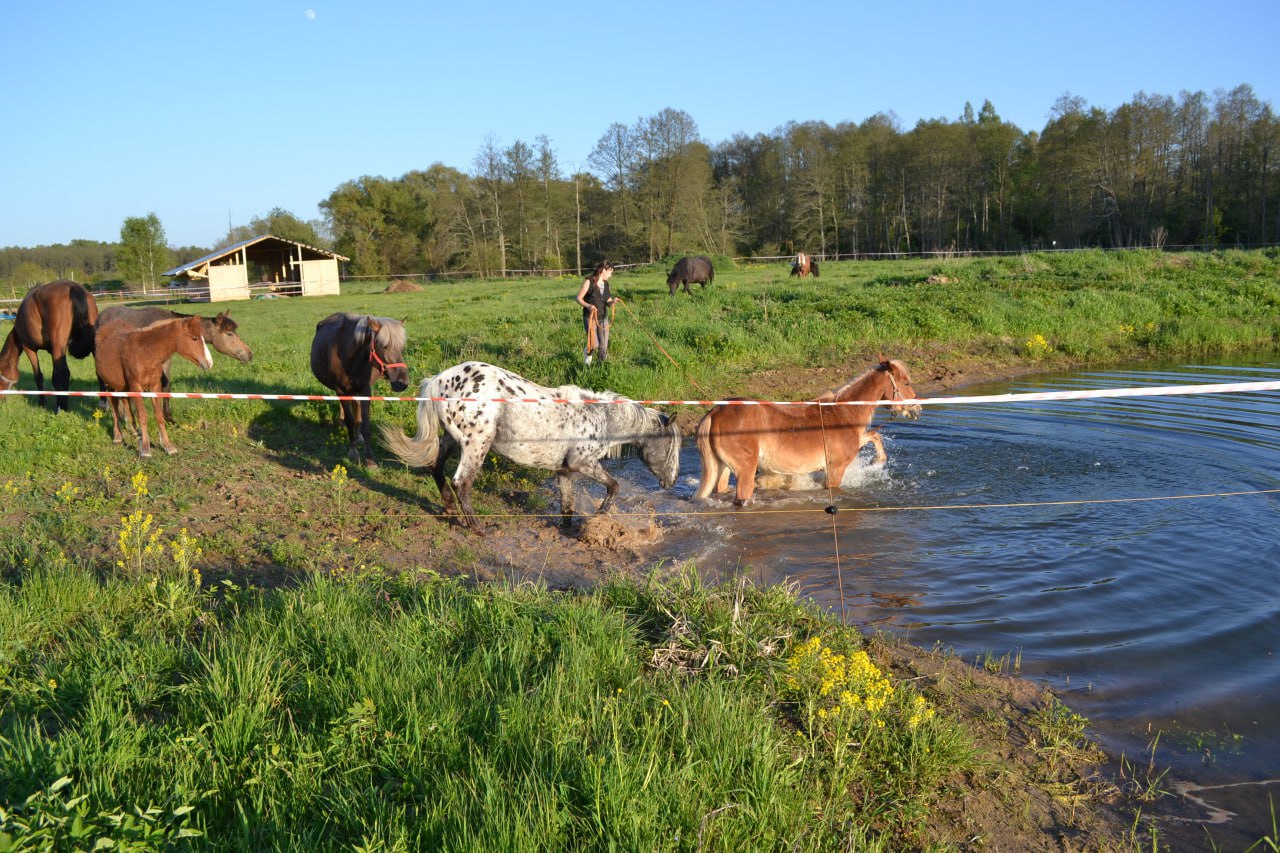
(790,440)
(220,332)
(548,428)
(58,317)
(803,265)
(351,352)
(130,359)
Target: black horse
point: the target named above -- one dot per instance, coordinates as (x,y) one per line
(351,352)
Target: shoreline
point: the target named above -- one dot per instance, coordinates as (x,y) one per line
(1103,807)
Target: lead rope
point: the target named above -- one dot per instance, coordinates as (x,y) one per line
(644,329)
(831,509)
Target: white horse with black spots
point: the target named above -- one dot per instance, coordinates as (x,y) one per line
(483,408)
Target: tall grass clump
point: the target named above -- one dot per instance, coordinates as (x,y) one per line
(367,709)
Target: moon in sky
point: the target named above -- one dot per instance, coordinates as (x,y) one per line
(311,14)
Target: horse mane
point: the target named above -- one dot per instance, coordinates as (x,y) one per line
(574,392)
(850,388)
(391,336)
(83,317)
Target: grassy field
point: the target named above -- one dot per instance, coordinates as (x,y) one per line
(252,645)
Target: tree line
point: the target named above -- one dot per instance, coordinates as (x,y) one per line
(1156,171)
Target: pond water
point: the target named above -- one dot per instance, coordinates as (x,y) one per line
(1095,541)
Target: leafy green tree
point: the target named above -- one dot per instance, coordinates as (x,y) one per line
(143,255)
(278,223)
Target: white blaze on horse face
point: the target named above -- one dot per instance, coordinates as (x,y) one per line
(207,361)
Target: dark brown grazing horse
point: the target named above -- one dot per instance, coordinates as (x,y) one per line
(351,352)
(791,440)
(219,332)
(133,360)
(803,265)
(58,317)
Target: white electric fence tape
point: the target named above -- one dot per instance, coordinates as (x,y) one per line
(1028,397)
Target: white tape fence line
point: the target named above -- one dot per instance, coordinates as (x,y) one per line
(1025,397)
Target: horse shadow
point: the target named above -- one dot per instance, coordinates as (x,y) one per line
(309,437)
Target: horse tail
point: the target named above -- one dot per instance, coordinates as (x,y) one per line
(423,449)
(711,464)
(84,314)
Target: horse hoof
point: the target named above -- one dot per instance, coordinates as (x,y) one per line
(371,463)
(145,454)
(171,450)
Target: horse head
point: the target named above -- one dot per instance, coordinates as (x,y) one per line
(221,332)
(385,349)
(661,452)
(9,361)
(191,344)
(899,389)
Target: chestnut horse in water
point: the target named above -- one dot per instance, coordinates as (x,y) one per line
(58,317)
(803,265)
(790,440)
(220,332)
(134,359)
(351,352)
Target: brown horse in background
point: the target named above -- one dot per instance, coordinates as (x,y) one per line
(58,317)
(803,265)
(351,352)
(133,360)
(769,439)
(219,332)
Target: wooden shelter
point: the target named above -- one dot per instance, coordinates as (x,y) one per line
(263,263)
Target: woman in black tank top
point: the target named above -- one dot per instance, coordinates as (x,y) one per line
(595,297)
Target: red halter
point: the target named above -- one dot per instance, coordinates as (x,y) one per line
(374,358)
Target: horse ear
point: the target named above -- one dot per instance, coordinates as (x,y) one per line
(374,325)
(665,420)
(884,362)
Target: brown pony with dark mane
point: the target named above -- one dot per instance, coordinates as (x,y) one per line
(220,332)
(134,359)
(790,440)
(803,265)
(57,317)
(351,352)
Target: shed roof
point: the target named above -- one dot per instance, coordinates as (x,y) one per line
(264,241)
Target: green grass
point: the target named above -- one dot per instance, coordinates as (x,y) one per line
(379,711)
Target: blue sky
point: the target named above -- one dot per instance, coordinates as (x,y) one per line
(209,114)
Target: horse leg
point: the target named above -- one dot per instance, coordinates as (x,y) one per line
(746,481)
(835,473)
(447,447)
(591,467)
(469,463)
(61,380)
(115,402)
(872,437)
(362,422)
(33,356)
(351,421)
(164,386)
(164,433)
(140,418)
(564,479)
